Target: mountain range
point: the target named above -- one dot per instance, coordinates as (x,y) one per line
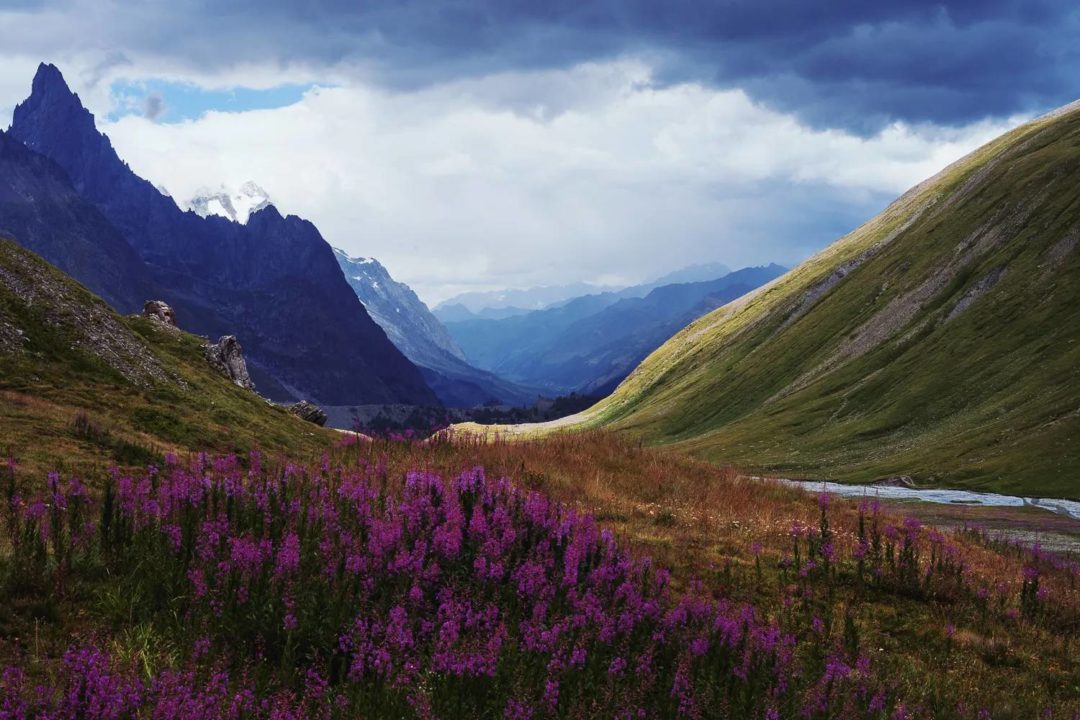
(394,307)
(273,282)
(516,300)
(940,340)
(590,343)
(499,304)
(457,312)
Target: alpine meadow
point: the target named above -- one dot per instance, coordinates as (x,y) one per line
(540,362)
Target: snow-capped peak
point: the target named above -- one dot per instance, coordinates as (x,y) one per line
(236,205)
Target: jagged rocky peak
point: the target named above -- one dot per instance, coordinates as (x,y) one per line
(160,311)
(49,87)
(227,357)
(53,101)
(236,205)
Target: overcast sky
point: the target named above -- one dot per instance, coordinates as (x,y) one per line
(478,145)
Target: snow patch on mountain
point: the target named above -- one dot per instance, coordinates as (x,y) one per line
(238,205)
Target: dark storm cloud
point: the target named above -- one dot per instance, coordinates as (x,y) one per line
(846,63)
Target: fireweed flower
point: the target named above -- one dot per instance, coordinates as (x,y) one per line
(403,590)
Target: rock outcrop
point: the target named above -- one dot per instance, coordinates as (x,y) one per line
(227,357)
(160,311)
(308,411)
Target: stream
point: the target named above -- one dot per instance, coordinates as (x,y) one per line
(1068,508)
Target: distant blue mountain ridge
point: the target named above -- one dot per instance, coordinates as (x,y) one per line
(590,343)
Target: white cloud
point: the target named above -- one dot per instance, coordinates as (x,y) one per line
(15,75)
(520,179)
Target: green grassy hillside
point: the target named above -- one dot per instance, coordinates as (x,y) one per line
(83,387)
(939,340)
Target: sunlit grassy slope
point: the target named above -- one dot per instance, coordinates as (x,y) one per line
(939,340)
(82,387)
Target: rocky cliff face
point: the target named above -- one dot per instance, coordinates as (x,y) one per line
(415,331)
(396,308)
(274,281)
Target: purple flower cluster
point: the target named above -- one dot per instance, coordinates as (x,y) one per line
(331,591)
(92,687)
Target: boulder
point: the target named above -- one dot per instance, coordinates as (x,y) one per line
(308,411)
(227,357)
(160,311)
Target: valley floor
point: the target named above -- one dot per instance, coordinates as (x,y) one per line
(950,618)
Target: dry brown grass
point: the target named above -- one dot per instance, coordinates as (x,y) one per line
(689,514)
(684,512)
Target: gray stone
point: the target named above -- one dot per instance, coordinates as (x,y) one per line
(308,411)
(227,357)
(158,310)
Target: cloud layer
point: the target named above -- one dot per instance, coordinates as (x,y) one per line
(477,144)
(600,175)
